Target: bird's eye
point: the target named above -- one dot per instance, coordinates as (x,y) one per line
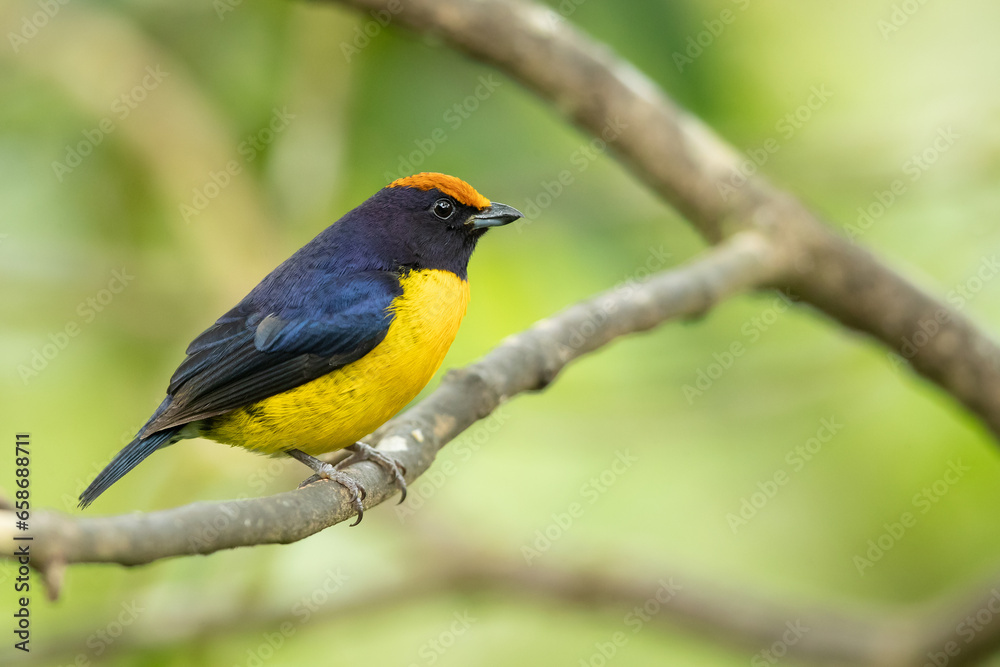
(443,208)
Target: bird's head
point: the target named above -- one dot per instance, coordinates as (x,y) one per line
(439,200)
(431,220)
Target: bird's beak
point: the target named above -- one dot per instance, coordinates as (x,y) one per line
(495,215)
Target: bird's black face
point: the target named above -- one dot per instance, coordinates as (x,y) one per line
(434,221)
(467,220)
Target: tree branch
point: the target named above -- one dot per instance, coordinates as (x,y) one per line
(892,637)
(766,237)
(698,173)
(667,601)
(524,362)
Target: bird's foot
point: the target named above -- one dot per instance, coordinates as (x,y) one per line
(326,471)
(362,452)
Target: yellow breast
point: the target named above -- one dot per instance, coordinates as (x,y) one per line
(342,407)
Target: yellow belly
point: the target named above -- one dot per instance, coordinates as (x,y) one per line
(340,408)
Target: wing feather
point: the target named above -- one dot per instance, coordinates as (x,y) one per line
(265,345)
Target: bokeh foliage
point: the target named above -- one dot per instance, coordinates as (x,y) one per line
(355,119)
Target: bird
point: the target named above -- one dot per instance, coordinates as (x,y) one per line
(335,341)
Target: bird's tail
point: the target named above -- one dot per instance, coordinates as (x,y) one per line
(128,458)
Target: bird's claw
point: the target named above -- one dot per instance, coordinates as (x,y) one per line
(326,471)
(359,452)
(363,452)
(357,492)
(312,479)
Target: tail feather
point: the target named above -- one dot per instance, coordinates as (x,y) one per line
(132,455)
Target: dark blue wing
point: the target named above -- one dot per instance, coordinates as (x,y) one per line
(276,340)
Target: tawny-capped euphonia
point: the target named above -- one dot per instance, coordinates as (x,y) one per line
(333,342)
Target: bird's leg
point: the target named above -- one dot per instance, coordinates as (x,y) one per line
(362,452)
(326,471)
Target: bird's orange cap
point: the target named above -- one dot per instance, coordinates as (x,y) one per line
(461,191)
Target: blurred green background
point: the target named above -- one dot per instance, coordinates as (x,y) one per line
(155,98)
